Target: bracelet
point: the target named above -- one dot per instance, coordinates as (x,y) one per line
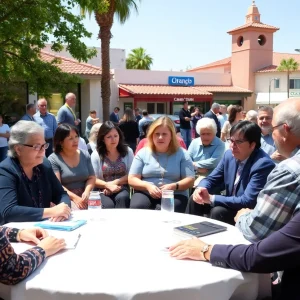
(177,186)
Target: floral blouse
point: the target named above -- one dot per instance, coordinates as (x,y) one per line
(113,170)
(16,267)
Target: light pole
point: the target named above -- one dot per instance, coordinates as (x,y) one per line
(270,89)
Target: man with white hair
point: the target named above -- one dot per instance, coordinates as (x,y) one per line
(279,199)
(48,122)
(66,114)
(212,114)
(251,116)
(207,150)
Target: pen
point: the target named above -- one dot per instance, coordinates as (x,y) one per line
(79,236)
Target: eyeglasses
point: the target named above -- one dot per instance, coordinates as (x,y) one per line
(43,105)
(237,142)
(274,127)
(38,147)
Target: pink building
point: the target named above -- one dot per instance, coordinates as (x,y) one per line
(253,64)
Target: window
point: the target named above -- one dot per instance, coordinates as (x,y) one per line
(156,108)
(261,40)
(128,105)
(160,108)
(276,83)
(240,41)
(151,108)
(295,84)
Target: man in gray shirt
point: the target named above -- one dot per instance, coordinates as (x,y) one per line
(66,114)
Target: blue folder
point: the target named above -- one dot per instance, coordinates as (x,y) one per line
(67,225)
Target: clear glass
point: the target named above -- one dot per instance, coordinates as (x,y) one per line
(94,206)
(167,205)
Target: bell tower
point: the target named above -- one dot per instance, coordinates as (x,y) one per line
(252,49)
(253,14)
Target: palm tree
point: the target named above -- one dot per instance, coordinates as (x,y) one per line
(105,19)
(139,60)
(288,65)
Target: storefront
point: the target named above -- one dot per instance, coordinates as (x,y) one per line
(162,99)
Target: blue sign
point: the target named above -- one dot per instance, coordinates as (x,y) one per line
(181,81)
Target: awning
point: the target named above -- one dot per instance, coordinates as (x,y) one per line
(161,90)
(270,98)
(144,90)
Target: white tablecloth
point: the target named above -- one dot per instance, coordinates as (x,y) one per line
(123,257)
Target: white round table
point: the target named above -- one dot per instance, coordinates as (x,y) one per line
(124,257)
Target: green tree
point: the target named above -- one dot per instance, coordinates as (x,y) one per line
(25,27)
(138,59)
(121,9)
(288,66)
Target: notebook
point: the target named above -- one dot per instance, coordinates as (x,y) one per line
(64,226)
(199,229)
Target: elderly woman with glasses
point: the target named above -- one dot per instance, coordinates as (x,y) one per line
(27,183)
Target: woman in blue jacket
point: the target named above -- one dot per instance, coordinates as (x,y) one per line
(28,185)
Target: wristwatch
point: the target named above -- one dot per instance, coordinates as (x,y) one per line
(177,186)
(204,249)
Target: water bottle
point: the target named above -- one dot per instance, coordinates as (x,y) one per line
(94,206)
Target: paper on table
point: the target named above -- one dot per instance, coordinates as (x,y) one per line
(71,239)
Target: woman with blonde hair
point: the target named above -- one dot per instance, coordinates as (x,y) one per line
(93,138)
(162,165)
(130,129)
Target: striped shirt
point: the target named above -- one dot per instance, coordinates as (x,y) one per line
(277,202)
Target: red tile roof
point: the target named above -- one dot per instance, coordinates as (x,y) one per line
(137,89)
(179,90)
(277,57)
(222,89)
(71,66)
(222,62)
(254,25)
(268,69)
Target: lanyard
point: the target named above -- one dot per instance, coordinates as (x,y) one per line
(71,110)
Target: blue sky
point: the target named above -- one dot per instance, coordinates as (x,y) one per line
(180,34)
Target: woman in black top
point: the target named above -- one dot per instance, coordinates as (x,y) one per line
(130,129)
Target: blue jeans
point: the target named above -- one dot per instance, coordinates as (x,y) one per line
(3,153)
(186,136)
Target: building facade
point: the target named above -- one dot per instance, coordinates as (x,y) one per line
(253,64)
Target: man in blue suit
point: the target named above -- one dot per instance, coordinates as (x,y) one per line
(242,172)
(212,114)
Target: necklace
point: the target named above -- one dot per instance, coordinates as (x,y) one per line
(162,169)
